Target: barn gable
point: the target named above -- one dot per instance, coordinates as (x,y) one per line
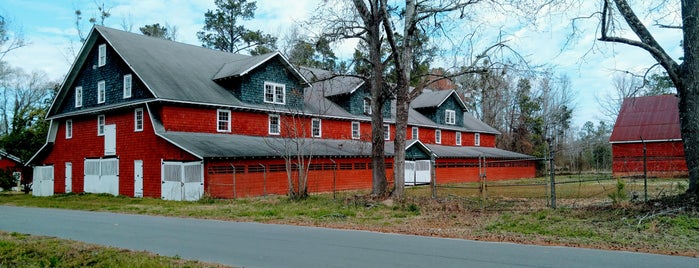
(443,107)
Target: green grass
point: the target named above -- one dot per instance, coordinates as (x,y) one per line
(20,250)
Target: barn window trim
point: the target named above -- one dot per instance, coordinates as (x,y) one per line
(78,97)
(69,128)
(138,120)
(458,138)
(316,127)
(438,136)
(223,120)
(450,117)
(355,130)
(100,125)
(101,92)
(102,55)
(274,124)
(386,132)
(274,93)
(477,139)
(416,133)
(127,86)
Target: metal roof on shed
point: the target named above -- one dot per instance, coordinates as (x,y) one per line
(649,118)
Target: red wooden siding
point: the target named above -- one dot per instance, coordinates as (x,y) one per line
(143,145)
(467,170)
(251,180)
(663,159)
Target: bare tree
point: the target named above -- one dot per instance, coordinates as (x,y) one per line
(625,86)
(684,75)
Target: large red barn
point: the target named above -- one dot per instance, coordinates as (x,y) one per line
(143,116)
(650,122)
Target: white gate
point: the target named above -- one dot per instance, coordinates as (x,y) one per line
(43,181)
(69,177)
(102,176)
(182,180)
(422,171)
(418,172)
(409,173)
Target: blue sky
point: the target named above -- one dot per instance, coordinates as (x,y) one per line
(48,26)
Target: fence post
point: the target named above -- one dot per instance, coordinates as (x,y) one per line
(433,175)
(482,177)
(645,173)
(552,170)
(234,195)
(264,179)
(334,176)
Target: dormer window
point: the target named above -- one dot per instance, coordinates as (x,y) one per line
(450,117)
(367,106)
(102,55)
(275,93)
(127,86)
(101,92)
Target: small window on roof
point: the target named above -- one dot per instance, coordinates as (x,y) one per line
(450,117)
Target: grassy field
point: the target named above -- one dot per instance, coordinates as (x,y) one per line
(591,214)
(20,250)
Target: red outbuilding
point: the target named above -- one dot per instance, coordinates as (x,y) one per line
(649,124)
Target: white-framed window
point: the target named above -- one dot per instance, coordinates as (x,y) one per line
(138,120)
(102,55)
(450,117)
(223,120)
(387,132)
(69,129)
(355,130)
(458,138)
(367,106)
(274,128)
(78,97)
(275,93)
(416,132)
(477,139)
(127,86)
(101,92)
(438,136)
(100,125)
(316,130)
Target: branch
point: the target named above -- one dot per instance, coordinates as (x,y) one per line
(647,43)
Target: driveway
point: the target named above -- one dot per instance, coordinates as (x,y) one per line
(270,245)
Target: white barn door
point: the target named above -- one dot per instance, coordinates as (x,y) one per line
(43,181)
(171,183)
(91,183)
(109,176)
(193,180)
(409,173)
(101,176)
(138,178)
(110,140)
(69,177)
(422,171)
(182,181)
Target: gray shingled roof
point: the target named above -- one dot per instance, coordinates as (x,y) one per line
(330,84)
(434,98)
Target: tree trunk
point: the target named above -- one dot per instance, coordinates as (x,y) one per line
(688,90)
(402,105)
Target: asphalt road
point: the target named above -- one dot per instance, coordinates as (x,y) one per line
(270,245)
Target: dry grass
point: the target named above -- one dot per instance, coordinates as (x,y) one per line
(20,250)
(586,217)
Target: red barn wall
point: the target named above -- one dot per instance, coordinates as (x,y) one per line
(130,146)
(663,159)
(467,170)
